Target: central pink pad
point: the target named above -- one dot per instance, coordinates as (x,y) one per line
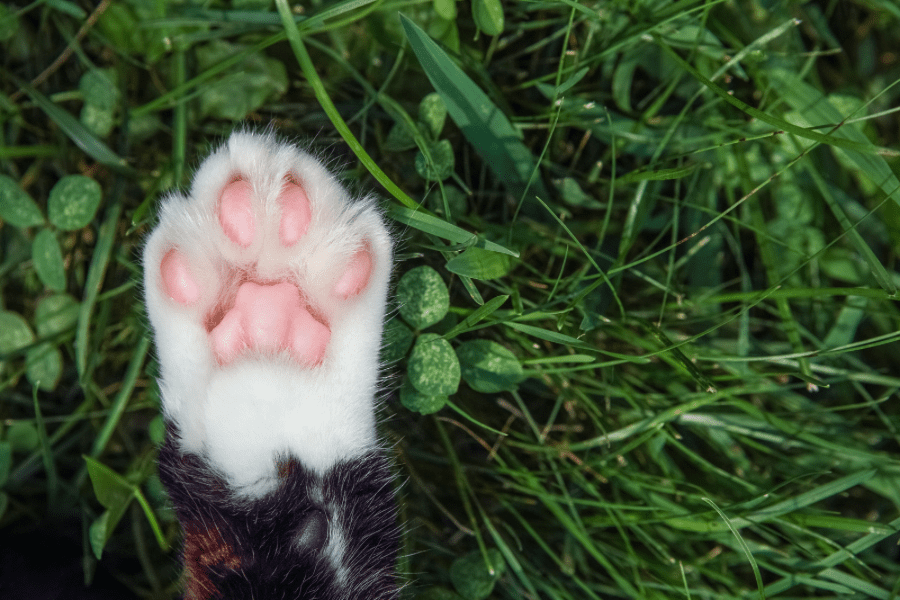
(270,318)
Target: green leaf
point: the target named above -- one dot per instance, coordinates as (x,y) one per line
(16,207)
(480,264)
(9,23)
(83,137)
(43,366)
(111,489)
(433,113)
(73,202)
(99,532)
(15,333)
(423,297)
(484,125)
(477,316)
(232,97)
(446,9)
(48,260)
(397,340)
(571,81)
(56,314)
(572,194)
(98,87)
(400,138)
(99,120)
(456,200)
(101,94)
(441,228)
(115,493)
(22,436)
(488,367)
(433,366)
(488,15)
(418,402)
(442,162)
(472,578)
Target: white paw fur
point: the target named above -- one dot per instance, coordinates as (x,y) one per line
(244,415)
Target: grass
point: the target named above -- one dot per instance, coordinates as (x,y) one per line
(660,237)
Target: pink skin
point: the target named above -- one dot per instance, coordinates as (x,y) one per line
(270,318)
(236,213)
(356,275)
(265,317)
(295,213)
(177,279)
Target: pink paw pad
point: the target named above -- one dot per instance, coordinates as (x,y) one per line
(356,276)
(295,213)
(270,318)
(236,213)
(177,280)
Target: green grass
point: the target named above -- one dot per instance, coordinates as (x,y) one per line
(660,239)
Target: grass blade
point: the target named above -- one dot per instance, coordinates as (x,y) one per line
(485,126)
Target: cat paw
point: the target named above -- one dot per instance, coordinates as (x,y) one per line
(266,288)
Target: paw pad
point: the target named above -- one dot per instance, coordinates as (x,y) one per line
(177,279)
(236,213)
(295,214)
(263,316)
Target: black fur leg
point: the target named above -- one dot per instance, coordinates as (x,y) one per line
(316,538)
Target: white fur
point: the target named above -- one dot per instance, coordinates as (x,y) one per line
(242,416)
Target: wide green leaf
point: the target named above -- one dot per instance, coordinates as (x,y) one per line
(23,436)
(115,493)
(441,163)
(43,366)
(480,264)
(483,124)
(16,207)
(9,24)
(488,15)
(423,297)
(488,367)
(473,578)
(260,79)
(56,314)
(433,366)
(433,113)
(15,333)
(397,340)
(418,402)
(100,90)
(73,202)
(48,260)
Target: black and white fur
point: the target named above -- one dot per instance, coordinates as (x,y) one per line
(276,472)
